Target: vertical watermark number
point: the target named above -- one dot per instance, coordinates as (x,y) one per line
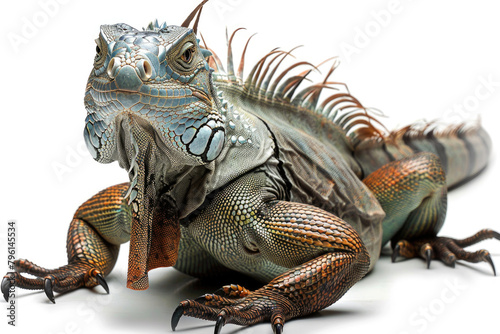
(11,256)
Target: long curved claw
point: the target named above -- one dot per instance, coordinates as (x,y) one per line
(75,275)
(487,258)
(49,290)
(201,298)
(446,250)
(395,253)
(278,329)
(102,282)
(219,324)
(428,257)
(176,317)
(6,285)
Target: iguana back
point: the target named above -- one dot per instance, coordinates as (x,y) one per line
(341,125)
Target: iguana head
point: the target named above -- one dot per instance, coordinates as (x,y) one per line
(152,106)
(159,78)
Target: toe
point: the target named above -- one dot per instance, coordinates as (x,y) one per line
(426,252)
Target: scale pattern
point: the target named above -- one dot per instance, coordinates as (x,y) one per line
(255,176)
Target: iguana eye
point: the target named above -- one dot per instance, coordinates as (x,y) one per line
(101,50)
(187,56)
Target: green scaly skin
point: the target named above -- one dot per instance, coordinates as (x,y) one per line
(251,177)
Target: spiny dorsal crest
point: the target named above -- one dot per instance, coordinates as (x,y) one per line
(154,26)
(196,12)
(268,84)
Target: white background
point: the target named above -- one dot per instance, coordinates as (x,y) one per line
(421,61)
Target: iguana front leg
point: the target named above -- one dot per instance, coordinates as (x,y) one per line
(309,256)
(98,227)
(300,291)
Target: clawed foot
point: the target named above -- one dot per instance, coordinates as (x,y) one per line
(237,305)
(447,250)
(63,279)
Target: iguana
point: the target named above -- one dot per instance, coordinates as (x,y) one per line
(258,177)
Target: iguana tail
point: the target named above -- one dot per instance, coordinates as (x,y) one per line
(463,150)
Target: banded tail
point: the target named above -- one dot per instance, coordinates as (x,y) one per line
(463,150)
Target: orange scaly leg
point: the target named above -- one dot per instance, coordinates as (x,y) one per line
(99,226)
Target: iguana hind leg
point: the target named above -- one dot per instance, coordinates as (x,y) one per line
(412,192)
(99,226)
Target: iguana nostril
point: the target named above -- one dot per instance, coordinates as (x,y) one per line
(145,69)
(113,67)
